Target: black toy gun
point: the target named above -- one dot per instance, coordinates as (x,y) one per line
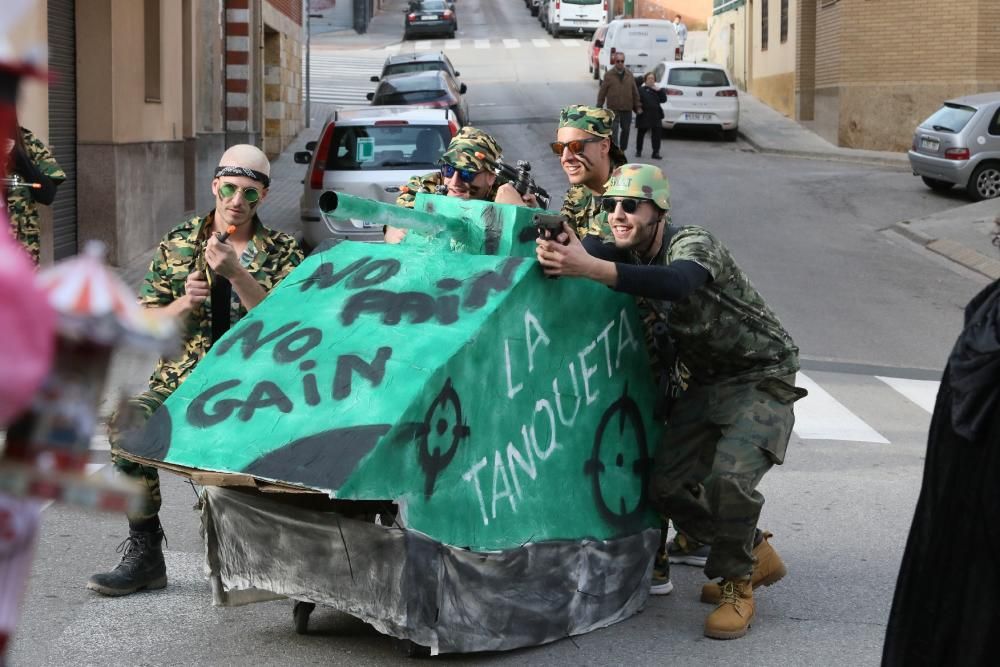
(549,225)
(520,178)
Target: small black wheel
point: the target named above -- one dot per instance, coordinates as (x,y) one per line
(300,614)
(407,648)
(730,135)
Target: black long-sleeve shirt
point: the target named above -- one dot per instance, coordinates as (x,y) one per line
(673,282)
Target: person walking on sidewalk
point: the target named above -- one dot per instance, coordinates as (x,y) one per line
(588,155)
(208,283)
(732,415)
(651,118)
(620,94)
(682,35)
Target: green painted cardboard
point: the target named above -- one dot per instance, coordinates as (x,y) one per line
(496,406)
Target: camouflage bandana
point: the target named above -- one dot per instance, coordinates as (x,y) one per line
(472,149)
(595,121)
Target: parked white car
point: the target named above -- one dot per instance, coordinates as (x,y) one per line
(644,42)
(699,95)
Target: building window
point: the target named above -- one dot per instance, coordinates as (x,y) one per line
(151,39)
(763,24)
(784,21)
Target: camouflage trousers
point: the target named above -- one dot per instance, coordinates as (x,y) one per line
(718,443)
(27,234)
(131,416)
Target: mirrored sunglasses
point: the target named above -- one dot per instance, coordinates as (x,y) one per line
(629,204)
(575,146)
(466,175)
(227,190)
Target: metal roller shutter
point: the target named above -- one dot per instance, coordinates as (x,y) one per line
(62,120)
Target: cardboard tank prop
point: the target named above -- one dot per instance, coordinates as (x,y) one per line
(430,436)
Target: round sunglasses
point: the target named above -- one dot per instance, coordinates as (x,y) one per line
(629,204)
(465,175)
(575,146)
(227,190)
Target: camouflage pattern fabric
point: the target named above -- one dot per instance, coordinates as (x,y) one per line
(428,183)
(181,252)
(643,181)
(132,416)
(721,440)
(595,121)
(583,209)
(472,148)
(21,207)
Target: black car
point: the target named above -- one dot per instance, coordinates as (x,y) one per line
(430,17)
(417,62)
(428,89)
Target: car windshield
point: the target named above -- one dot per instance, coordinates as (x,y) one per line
(380,147)
(405,97)
(431,5)
(949,118)
(583,2)
(425,66)
(697,77)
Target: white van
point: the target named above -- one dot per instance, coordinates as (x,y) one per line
(645,43)
(577,16)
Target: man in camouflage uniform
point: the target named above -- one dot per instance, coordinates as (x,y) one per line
(732,415)
(587,155)
(32,163)
(207,284)
(466,172)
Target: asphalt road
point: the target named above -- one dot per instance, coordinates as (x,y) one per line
(862,305)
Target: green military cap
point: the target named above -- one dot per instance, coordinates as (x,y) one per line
(472,148)
(592,120)
(643,181)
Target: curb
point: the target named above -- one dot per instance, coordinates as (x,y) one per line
(818,155)
(956,252)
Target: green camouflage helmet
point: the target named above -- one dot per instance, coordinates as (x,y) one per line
(472,148)
(643,181)
(592,120)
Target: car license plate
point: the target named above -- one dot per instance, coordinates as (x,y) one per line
(428,17)
(697,116)
(929,144)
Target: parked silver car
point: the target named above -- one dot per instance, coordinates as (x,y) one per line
(960,145)
(369,152)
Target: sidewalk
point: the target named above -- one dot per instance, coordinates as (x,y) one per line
(385,28)
(961,234)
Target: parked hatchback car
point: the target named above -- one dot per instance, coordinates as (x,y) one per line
(430,17)
(404,63)
(430,89)
(960,145)
(369,152)
(699,95)
(594,50)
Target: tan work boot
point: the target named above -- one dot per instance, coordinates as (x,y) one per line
(731,619)
(767,569)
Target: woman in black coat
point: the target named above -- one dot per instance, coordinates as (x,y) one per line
(651,118)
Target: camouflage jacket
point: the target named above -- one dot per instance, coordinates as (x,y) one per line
(272,257)
(583,211)
(428,183)
(725,330)
(21,207)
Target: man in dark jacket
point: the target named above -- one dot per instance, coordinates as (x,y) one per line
(651,118)
(620,94)
(946,610)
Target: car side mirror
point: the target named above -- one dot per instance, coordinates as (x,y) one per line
(374,79)
(311,146)
(463,88)
(302,157)
(370,96)
(457,73)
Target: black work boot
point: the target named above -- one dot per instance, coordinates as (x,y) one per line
(141,566)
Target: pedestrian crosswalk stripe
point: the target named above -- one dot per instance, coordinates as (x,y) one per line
(482,43)
(453,44)
(819,416)
(512,43)
(569,41)
(424,45)
(393,48)
(541,43)
(921,392)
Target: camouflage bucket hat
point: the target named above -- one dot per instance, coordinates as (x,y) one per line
(592,120)
(643,181)
(472,148)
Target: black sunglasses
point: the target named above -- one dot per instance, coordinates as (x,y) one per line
(629,204)
(466,175)
(575,146)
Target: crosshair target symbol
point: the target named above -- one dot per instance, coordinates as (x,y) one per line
(440,434)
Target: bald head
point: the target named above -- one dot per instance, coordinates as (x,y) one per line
(245,160)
